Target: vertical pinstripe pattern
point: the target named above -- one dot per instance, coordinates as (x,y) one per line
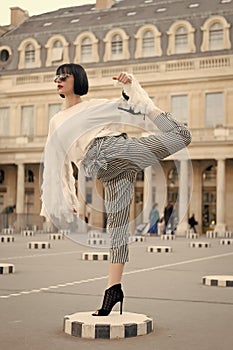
(118,197)
(116,160)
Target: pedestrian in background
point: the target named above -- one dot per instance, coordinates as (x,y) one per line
(169,218)
(192,223)
(154,218)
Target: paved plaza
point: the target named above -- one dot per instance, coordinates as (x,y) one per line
(51,283)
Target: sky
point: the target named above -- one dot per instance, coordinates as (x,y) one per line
(36,7)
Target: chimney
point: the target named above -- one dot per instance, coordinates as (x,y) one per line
(18,16)
(104,4)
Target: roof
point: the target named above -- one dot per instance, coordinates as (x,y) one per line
(122,12)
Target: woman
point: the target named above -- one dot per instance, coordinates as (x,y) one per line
(154,218)
(89,134)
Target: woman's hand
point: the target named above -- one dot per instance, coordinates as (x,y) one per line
(123,78)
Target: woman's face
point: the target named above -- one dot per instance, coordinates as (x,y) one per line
(65,84)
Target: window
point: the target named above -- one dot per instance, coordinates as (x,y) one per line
(29,56)
(216,34)
(194,5)
(57,52)
(179,107)
(214,114)
(4,54)
(216,38)
(2,176)
(27,120)
(29,176)
(116,47)
(86,50)
(148,42)
(53,108)
(4,121)
(181,40)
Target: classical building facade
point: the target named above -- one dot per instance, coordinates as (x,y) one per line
(181,52)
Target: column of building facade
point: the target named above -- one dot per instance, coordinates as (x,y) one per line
(154,180)
(20,194)
(147,193)
(183,198)
(20,189)
(221,186)
(195,206)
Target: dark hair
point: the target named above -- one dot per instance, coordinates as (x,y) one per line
(80,77)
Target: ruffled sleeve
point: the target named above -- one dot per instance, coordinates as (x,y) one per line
(136,99)
(58,195)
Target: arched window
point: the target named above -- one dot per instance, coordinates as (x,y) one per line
(216,35)
(86,48)
(116,47)
(148,42)
(29,56)
(57,52)
(2,176)
(181,40)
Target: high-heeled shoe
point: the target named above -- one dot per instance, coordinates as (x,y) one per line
(112,296)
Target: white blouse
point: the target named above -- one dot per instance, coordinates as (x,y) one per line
(71,132)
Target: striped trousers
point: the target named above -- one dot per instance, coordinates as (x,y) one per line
(115,161)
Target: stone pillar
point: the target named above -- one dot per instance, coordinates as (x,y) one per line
(161,187)
(147,193)
(183,198)
(196,194)
(20,189)
(221,184)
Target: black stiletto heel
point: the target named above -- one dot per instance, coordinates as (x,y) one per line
(112,296)
(121,307)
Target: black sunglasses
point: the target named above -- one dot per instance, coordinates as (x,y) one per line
(61,77)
